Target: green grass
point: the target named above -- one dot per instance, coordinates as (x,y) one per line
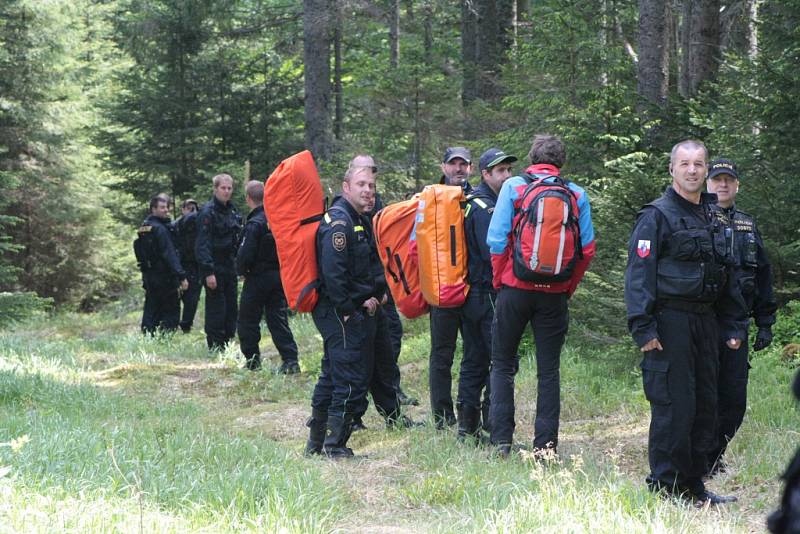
(104,430)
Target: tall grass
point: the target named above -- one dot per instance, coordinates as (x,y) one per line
(103,430)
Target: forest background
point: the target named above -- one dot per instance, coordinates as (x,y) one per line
(104,103)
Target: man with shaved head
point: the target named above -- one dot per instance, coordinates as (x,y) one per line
(262,292)
(680,304)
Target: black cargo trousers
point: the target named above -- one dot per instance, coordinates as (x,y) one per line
(680,382)
(262,296)
(341,390)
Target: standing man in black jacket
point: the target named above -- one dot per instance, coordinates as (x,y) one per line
(477,313)
(162,273)
(344,315)
(447,322)
(262,292)
(217,243)
(680,303)
(752,276)
(186,235)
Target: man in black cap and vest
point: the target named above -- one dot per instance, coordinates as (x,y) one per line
(752,276)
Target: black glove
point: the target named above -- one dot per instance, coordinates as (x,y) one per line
(763,339)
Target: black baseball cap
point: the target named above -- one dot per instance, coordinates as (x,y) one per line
(456,152)
(722,166)
(495,156)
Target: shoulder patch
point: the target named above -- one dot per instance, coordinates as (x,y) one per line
(338,223)
(643,248)
(145,229)
(339,241)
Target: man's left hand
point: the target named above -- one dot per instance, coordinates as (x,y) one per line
(733,343)
(763,339)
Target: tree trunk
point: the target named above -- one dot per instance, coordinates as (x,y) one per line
(337,74)
(394,33)
(316,55)
(653,73)
(701,45)
(469,51)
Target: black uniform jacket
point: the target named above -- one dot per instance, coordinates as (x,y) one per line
(477,215)
(186,237)
(752,270)
(257,253)
(165,269)
(217,238)
(346,257)
(652,241)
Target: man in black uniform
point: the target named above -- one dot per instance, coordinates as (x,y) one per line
(383,369)
(752,275)
(676,290)
(262,292)
(446,322)
(162,273)
(344,315)
(185,230)
(215,250)
(478,310)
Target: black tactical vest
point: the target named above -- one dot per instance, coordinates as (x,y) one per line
(692,262)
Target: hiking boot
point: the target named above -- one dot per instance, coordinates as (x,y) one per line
(502,451)
(707,498)
(444,421)
(253,363)
(402,422)
(316,434)
(405,400)
(289,368)
(337,433)
(357,425)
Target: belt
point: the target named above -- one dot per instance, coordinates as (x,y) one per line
(686,306)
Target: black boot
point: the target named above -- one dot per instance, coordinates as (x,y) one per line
(253,362)
(405,400)
(469,424)
(338,432)
(316,435)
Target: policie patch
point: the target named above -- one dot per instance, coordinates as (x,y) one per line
(339,241)
(643,248)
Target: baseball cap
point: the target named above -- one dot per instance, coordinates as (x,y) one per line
(456,152)
(722,166)
(495,156)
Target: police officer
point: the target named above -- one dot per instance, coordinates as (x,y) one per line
(344,315)
(752,275)
(676,290)
(215,250)
(384,372)
(478,310)
(446,322)
(162,273)
(185,232)
(262,292)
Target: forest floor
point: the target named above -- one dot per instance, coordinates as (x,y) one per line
(104,430)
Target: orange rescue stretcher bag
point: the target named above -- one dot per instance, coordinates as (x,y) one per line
(393,226)
(442,246)
(294,204)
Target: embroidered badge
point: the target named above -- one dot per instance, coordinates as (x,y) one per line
(643,248)
(339,241)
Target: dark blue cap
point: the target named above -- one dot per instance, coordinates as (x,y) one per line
(495,156)
(722,166)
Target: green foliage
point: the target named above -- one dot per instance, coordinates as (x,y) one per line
(21,306)
(787,328)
